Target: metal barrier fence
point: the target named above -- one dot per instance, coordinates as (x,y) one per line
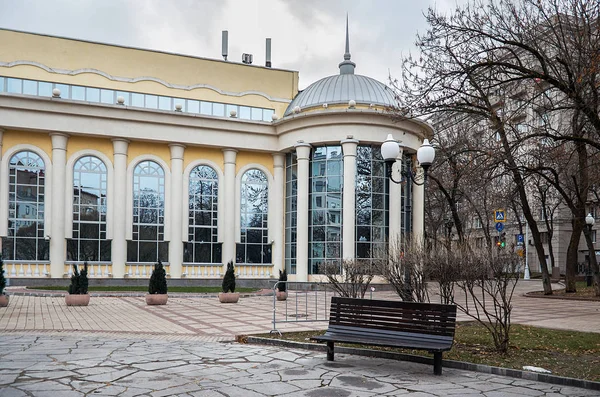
(309,302)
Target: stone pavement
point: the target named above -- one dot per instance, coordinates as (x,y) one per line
(65,366)
(120,346)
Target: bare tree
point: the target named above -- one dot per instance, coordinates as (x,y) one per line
(351,279)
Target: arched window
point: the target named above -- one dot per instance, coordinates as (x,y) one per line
(26,197)
(202,245)
(147,244)
(89,241)
(254,244)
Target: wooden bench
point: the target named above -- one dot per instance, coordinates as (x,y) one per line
(421,326)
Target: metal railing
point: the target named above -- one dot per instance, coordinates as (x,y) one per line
(309,302)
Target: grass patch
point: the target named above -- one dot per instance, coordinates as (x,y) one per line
(565,353)
(141,288)
(582,292)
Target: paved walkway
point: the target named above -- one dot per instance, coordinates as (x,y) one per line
(120,346)
(72,366)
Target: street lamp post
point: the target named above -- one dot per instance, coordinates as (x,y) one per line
(589,224)
(390,149)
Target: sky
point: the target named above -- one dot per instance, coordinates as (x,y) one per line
(307,35)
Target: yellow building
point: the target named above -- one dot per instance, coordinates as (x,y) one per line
(122,157)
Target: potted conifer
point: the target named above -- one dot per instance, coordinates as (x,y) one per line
(78,289)
(157,288)
(229,295)
(3,296)
(281,291)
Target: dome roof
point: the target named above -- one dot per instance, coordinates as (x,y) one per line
(343,87)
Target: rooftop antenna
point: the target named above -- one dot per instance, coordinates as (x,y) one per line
(224,43)
(268,56)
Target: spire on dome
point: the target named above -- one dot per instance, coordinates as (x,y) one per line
(347,66)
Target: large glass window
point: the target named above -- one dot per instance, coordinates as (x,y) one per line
(89,241)
(202,245)
(406,201)
(148,243)
(254,246)
(291,211)
(325,207)
(26,197)
(372,206)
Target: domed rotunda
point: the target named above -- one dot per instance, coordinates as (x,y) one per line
(333,131)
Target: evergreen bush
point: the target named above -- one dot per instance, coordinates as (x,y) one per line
(282,277)
(79,280)
(229,278)
(158,280)
(2,279)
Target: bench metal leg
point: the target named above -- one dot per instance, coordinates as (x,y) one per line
(437,363)
(329,351)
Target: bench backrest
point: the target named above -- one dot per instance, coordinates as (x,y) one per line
(412,317)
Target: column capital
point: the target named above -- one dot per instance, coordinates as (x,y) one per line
(120,146)
(1,131)
(349,146)
(303,150)
(229,155)
(278,160)
(177,150)
(59,140)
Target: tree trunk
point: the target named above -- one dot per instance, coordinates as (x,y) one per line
(593,261)
(572,253)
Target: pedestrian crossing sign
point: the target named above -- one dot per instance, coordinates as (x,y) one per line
(499,216)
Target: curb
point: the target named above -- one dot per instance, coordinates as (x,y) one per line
(42,293)
(486,369)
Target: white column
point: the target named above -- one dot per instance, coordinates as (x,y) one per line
(418,215)
(176,241)
(277,212)
(395,221)
(349,199)
(119,241)
(303,154)
(229,156)
(57,236)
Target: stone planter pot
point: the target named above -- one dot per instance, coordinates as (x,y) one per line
(229,297)
(281,295)
(3,300)
(77,299)
(156,299)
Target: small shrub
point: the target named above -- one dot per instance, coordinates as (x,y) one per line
(2,279)
(158,280)
(79,281)
(229,278)
(282,286)
(349,279)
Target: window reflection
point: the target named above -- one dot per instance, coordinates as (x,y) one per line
(202,245)
(371,204)
(254,246)
(291,211)
(89,241)
(325,206)
(26,180)
(147,244)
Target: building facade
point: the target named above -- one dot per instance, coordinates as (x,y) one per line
(122,157)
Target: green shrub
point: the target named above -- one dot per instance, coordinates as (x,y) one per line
(229,278)
(282,277)
(79,280)
(158,280)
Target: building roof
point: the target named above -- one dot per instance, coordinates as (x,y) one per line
(343,87)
